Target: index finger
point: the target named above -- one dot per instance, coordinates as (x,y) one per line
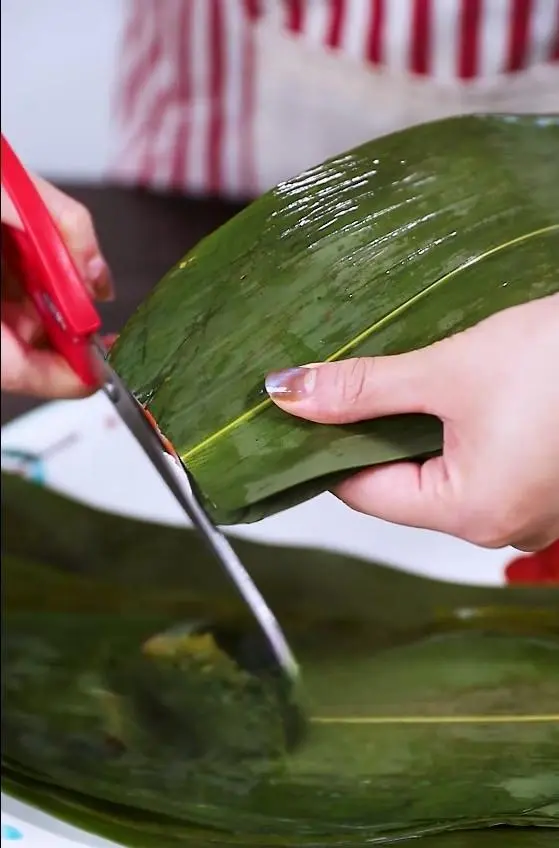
(77,228)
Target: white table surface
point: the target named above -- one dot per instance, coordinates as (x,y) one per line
(81,448)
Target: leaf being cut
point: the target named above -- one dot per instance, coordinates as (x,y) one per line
(387,248)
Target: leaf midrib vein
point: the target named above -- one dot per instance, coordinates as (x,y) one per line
(444,719)
(249,414)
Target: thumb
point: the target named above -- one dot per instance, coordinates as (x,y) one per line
(416,495)
(358,389)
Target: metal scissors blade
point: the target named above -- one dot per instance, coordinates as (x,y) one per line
(47,273)
(178,480)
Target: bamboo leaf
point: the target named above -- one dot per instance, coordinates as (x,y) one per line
(390,247)
(136,703)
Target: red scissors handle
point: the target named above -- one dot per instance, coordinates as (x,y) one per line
(38,256)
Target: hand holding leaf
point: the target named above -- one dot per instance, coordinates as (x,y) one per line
(495,388)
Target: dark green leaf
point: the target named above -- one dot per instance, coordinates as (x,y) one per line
(387,248)
(137,700)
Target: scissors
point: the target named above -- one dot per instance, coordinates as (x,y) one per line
(44,267)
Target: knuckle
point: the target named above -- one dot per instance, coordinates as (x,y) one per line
(489,538)
(532,545)
(76,221)
(489,527)
(353,379)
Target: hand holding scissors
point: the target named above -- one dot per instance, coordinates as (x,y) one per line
(37,256)
(29,363)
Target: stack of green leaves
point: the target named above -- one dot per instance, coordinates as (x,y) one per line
(138,702)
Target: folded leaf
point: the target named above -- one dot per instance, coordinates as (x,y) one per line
(137,700)
(387,248)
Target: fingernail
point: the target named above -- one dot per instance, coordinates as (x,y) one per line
(292,384)
(99,276)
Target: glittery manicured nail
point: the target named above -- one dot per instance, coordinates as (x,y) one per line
(293,384)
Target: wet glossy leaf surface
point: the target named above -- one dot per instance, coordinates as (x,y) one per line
(387,248)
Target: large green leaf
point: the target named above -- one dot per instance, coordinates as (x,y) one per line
(428,706)
(387,248)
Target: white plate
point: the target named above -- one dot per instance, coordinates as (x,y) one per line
(82,449)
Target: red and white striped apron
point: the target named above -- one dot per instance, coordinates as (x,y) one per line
(229,97)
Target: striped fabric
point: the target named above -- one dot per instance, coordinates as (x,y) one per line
(441,38)
(189,72)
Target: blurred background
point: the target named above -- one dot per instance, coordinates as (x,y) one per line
(58,70)
(58,63)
